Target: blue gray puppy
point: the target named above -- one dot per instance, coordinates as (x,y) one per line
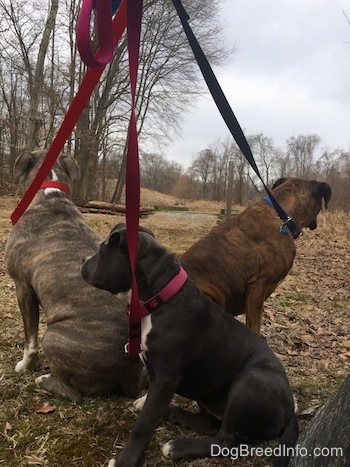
(194,348)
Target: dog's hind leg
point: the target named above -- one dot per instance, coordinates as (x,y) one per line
(29,306)
(192,448)
(202,422)
(56,386)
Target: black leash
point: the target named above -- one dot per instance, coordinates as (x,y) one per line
(227,113)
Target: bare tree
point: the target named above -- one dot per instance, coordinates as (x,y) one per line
(202,169)
(282,164)
(220,170)
(31,42)
(334,167)
(158,173)
(13,97)
(266,154)
(241,171)
(37,46)
(168,72)
(301,149)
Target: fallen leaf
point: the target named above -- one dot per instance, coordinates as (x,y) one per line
(8,426)
(309,412)
(346,344)
(34,460)
(43,408)
(120,422)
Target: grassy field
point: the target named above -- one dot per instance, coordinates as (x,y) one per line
(306,322)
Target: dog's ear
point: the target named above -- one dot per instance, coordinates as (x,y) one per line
(70,165)
(122,226)
(278,182)
(116,237)
(147,231)
(325,193)
(24,163)
(118,228)
(146,242)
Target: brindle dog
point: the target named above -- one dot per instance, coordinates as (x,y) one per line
(86,328)
(241,261)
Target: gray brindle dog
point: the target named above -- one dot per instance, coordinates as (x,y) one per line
(86,328)
(194,348)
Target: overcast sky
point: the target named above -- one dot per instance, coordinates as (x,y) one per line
(289,76)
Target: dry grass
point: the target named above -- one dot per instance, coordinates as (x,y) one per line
(306,323)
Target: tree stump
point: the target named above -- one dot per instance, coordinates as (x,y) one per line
(325,441)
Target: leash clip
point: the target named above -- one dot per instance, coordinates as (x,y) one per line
(290,226)
(126,348)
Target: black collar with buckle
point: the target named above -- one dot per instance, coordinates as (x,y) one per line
(289,225)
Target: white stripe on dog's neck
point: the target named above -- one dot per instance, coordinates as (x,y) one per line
(54,177)
(146,326)
(146,323)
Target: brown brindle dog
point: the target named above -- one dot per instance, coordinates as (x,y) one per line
(241,261)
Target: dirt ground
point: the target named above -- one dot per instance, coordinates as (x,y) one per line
(306,322)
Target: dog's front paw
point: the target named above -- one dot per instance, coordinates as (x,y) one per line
(27,363)
(119,462)
(167,449)
(140,402)
(20,367)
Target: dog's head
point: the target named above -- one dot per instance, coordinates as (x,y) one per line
(302,199)
(110,269)
(26,166)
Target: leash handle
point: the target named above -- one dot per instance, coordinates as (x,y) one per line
(104,33)
(132,185)
(78,104)
(226,111)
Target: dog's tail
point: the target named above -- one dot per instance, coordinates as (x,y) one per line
(287,442)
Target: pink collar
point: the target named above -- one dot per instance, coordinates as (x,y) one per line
(165,294)
(55,184)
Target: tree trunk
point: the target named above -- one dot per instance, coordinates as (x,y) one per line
(118,192)
(36,84)
(84,152)
(325,441)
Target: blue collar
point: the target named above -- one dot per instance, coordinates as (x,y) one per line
(289,225)
(268,200)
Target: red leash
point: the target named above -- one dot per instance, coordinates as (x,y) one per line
(132,187)
(82,96)
(128,15)
(104,32)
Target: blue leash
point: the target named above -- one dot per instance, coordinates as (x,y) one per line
(228,115)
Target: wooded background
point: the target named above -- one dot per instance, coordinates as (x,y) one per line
(40,72)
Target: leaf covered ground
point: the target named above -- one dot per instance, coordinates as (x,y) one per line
(306,322)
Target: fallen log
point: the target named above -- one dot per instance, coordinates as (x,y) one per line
(325,441)
(102,207)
